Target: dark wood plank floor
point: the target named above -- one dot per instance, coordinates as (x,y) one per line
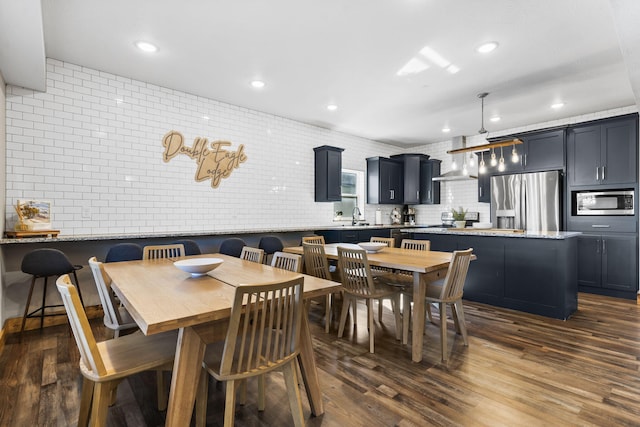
(519,370)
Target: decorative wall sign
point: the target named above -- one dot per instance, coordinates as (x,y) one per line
(214,162)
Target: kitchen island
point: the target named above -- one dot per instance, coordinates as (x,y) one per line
(535,272)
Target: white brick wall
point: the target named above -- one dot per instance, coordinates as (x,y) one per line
(92,145)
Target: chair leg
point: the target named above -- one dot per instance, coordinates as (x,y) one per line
(346,302)
(380,310)
(460,322)
(261,394)
(327,314)
(85,402)
(26,307)
(230,403)
(162,390)
(101,393)
(242,385)
(202,396)
(372,330)
(293,390)
(395,301)
(443,330)
(406,318)
(44,299)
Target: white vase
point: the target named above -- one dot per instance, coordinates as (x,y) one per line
(460,224)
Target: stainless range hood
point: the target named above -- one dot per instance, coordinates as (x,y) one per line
(456,174)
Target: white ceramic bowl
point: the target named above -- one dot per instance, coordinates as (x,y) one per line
(482,225)
(372,246)
(198,266)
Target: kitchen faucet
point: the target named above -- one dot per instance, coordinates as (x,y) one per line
(355,214)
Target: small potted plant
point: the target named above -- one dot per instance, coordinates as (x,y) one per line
(459,217)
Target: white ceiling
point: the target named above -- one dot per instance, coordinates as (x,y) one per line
(312,53)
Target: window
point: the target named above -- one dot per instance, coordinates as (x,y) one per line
(352,195)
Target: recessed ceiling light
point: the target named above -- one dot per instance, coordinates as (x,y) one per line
(487,47)
(146,46)
(446,130)
(332,107)
(205,117)
(557,105)
(495,119)
(453,69)
(258,84)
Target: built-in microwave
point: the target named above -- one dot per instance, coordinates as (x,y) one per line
(610,202)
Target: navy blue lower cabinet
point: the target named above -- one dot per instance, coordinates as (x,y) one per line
(352,235)
(534,275)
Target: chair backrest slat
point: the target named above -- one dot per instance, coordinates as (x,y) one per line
(416,245)
(315,261)
(80,325)
(264,328)
(452,288)
(355,271)
(163,251)
(286,261)
(252,254)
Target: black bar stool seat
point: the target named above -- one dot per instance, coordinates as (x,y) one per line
(270,245)
(44,263)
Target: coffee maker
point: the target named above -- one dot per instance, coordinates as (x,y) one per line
(408,215)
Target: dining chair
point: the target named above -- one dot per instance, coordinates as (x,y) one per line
(316,264)
(416,245)
(359,283)
(389,241)
(104,364)
(191,247)
(163,251)
(263,335)
(270,245)
(286,261)
(252,254)
(124,252)
(116,317)
(232,246)
(316,240)
(377,271)
(41,264)
(449,291)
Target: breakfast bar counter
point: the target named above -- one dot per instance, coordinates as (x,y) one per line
(535,272)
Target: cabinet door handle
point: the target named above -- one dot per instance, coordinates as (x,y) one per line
(418,195)
(392,193)
(524,157)
(598,246)
(480,189)
(603,178)
(600,225)
(604,246)
(598,173)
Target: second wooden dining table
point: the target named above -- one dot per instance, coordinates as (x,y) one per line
(425,266)
(160,297)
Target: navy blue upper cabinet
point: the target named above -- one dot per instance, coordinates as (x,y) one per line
(429,189)
(384,181)
(412,177)
(542,151)
(328,174)
(603,153)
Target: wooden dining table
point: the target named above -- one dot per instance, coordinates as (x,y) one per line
(160,297)
(425,266)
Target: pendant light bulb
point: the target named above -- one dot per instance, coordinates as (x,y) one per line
(464,169)
(501,162)
(514,155)
(454,165)
(482,168)
(493,161)
(472,160)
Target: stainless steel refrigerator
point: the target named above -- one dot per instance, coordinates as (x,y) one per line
(528,201)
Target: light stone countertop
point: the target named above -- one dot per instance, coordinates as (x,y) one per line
(184,234)
(557,235)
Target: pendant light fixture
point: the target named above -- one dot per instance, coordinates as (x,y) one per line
(482,168)
(501,162)
(514,155)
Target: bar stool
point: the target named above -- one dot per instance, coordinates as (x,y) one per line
(44,263)
(124,252)
(270,245)
(232,247)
